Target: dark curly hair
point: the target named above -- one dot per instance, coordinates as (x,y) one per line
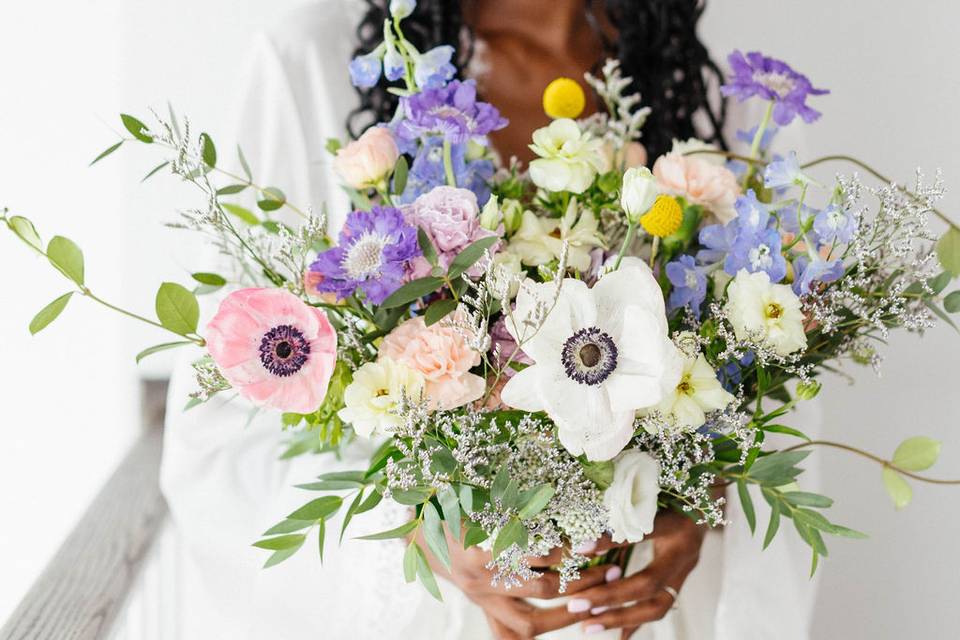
(656,43)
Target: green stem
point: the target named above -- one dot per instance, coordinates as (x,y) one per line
(627,241)
(755,145)
(89,294)
(866,454)
(448,163)
(653,250)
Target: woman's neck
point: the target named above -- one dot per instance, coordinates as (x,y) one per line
(551,25)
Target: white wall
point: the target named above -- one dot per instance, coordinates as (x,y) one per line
(67,396)
(896,90)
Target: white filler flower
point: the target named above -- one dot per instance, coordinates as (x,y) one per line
(770,313)
(373,396)
(698,392)
(632,496)
(600,355)
(569,158)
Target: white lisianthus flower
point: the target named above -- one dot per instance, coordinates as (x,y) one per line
(769,312)
(638,193)
(632,496)
(569,158)
(698,392)
(373,396)
(600,355)
(540,240)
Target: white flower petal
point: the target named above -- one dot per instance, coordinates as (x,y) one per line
(522,391)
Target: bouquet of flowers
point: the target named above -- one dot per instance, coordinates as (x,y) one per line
(547,354)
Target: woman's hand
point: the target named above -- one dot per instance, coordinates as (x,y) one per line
(642,597)
(510,617)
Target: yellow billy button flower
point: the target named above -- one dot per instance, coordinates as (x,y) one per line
(663,218)
(564,98)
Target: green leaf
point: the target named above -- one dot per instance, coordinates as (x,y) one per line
(848,533)
(500,482)
(948,250)
(813,519)
(937,311)
(372,501)
(333,145)
(281,542)
(466,499)
(939,283)
(747,503)
(410,562)
(105,153)
(400,171)
(212,279)
(773,525)
(536,502)
(397,532)
(450,505)
(466,258)
(330,485)
(805,499)
(149,351)
(512,533)
(601,473)
(321,537)
(279,556)
(351,511)
(49,313)
(426,247)
(316,509)
(67,257)
(411,497)
(288,526)
(272,199)
(25,230)
(952,302)
(439,310)
(474,536)
(778,468)
(354,476)
(207,150)
(231,189)
(177,308)
(154,170)
(244,165)
(242,213)
(136,128)
(411,291)
(426,575)
(782,428)
(433,532)
(917,453)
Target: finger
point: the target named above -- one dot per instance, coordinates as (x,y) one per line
(526,619)
(606,543)
(500,630)
(546,586)
(640,586)
(555,557)
(627,632)
(632,616)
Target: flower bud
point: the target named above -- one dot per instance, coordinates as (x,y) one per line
(808,390)
(400,9)
(367,160)
(638,193)
(490,214)
(512,214)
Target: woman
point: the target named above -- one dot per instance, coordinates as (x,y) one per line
(224,482)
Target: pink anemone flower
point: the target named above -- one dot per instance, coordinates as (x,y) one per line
(273,348)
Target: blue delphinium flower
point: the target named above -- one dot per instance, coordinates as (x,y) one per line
(784,172)
(365,69)
(752,215)
(731,373)
(427,171)
(451,111)
(834,224)
(757,252)
(809,271)
(433,69)
(746,242)
(758,75)
(746,136)
(393,64)
(374,250)
(689,284)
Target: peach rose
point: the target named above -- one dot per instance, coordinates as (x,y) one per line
(367,160)
(442,355)
(700,181)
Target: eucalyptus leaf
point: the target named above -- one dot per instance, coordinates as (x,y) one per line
(281,542)
(805,499)
(242,213)
(372,501)
(136,128)
(330,485)
(272,199)
(747,503)
(511,533)
(773,525)
(917,453)
(244,164)
(157,348)
(177,308)
(536,502)
(288,526)
(410,562)
(212,279)
(25,230)
(396,532)
(952,302)
(105,153)
(279,556)
(450,505)
(948,250)
(426,575)
(67,257)
(400,171)
(412,291)
(474,536)
(317,509)
(411,497)
(351,511)
(231,189)
(434,534)
(49,313)
(898,489)
(154,171)
(426,247)
(321,538)
(466,258)
(439,310)
(207,150)
(500,483)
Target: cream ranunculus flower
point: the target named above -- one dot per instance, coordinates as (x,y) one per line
(698,392)
(373,396)
(540,240)
(600,355)
(769,312)
(632,496)
(569,158)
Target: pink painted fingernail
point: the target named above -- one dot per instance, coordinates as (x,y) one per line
(593,628)
(578,605)
(586,547)
(598,610)
(613,573)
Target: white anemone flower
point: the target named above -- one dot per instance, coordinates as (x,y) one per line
(698,392)
(569,158)
(600,355)
(540,240)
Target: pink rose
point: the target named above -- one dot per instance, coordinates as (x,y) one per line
(441,354)
(699,181)
(451,219)
(367,160)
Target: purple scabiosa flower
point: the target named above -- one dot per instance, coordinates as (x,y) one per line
(784,172)
(374,251)
(427,171)
(689,284)
(433,69)
(834,224)
(809,271)
(758,75)
(451,112)
(365,70)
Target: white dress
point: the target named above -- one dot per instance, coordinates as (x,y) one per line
(225,484)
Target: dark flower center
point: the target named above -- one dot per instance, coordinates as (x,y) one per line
(589,356)
(284,350)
